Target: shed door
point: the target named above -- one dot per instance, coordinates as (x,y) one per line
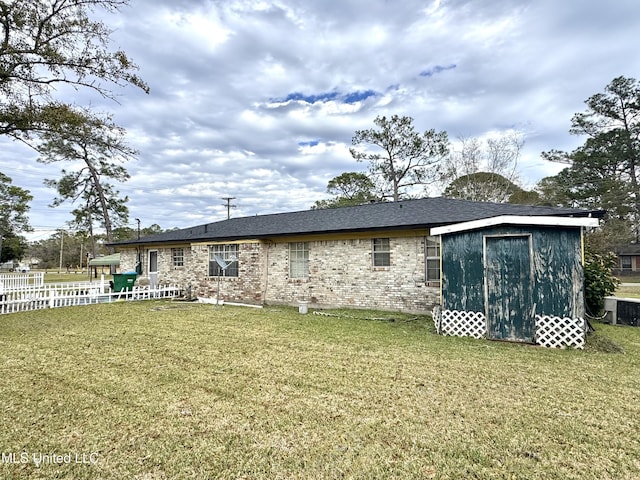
(509,288)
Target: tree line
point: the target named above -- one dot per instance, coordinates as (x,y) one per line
(602,174)
(73,249)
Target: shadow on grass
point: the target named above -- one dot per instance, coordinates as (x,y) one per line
(399,318)
(599,341)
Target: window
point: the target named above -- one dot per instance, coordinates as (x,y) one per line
(625,262)
(381,252)
(177,255)
(228,253)
(299,260)
(432,253)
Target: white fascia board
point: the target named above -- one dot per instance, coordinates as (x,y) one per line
(548,221)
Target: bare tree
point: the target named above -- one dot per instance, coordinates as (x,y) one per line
(484,170)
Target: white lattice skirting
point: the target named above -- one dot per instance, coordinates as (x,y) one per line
(560,332)
(460,324)
(551,331)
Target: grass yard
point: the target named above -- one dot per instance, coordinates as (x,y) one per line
(628,291)
(161,390)
(629,279)
(52,276)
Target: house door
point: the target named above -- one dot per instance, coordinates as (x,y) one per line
(509,288)
(153,268)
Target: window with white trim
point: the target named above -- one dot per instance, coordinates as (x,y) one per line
(432,255)
(381,252)
(227,252)
(177,257)
(298,260)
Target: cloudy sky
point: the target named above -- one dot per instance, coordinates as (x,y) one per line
(259,100)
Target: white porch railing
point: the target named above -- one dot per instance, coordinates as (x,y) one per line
(71,294)
(16,281)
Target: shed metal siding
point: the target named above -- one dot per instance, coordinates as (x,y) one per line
(558,275)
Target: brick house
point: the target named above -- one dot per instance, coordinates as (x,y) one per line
(380,255)
(628,259)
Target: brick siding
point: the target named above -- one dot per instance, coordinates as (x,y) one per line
(341,274)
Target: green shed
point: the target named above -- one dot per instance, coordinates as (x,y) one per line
(514,278)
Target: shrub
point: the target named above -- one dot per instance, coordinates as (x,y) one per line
(599,281)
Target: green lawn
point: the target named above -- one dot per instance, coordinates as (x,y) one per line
(52,276)
(631,289)
(161,390)
(628,292)
(629,279)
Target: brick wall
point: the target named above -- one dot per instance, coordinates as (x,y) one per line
(247,287)
(341,274)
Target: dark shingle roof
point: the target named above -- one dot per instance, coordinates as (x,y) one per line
(407,214)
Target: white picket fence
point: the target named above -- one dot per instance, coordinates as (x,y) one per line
(14,281)
(79,293)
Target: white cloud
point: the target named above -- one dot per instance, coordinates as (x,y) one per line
(259,99)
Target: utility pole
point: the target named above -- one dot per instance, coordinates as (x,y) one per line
(228,205)
(61,249)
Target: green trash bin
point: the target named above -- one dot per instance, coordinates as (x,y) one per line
(124,281)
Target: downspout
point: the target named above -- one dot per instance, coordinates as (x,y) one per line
(266,272)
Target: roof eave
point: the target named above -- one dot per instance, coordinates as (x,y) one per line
(537,220)
(266,236)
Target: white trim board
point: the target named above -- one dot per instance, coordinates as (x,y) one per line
(548,221)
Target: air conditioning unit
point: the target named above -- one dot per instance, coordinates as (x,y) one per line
(622,311)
